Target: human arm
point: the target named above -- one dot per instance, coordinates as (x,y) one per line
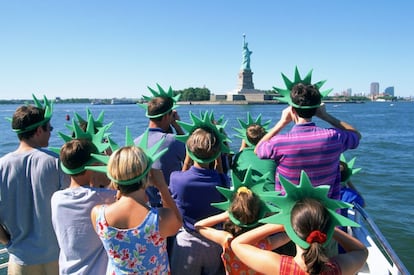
(356,252)
(277,240)
(263,261)
(205,228)
(188,162)
(170,217)
(218,165)
(325,116)
(177,127)
(94,214)
(243,145)
(286,117)
(4,236)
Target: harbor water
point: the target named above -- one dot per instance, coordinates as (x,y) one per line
(385,153)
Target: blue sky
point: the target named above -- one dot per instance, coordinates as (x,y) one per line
(106,49)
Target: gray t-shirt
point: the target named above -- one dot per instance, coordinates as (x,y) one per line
(81,250)
(27,183)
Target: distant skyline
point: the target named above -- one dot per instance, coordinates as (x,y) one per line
(106,49)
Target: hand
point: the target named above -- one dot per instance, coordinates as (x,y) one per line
(175,115)
(243,145)
(287,115)
(156,178)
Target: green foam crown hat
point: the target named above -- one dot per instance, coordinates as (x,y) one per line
(350,168)
(98,123)
(285,93)
(205,121)
(152,154)
(255,186)
(294,193)
(160,93)
(98,139)
(47,106)
(242,132)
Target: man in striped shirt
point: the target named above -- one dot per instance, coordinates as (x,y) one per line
(306,146)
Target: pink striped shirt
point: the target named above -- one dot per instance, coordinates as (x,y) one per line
(312,149)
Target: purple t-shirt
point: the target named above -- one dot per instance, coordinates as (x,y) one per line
(194,190)
(312,149)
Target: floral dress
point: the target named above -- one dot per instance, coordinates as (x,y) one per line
(139,250)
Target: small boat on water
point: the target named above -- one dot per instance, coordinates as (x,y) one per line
(382,259)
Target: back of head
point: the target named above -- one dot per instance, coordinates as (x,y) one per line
(76,153)
(305,95)
(310,217)
(158,106)
(127,163)
(245,207)
(345,171)
(254,133)
(203,143)
(25,116)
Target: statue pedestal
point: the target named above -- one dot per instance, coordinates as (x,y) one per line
(245,87)
(245,81)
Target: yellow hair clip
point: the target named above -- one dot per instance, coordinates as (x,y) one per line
(244,189)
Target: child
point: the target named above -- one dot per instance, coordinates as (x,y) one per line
(193,190)
(310,220)
(349,193)
(251,132)
(244,211)
(133,234)
(81,251)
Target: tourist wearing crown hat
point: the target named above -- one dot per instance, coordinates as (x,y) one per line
(246,204)
(30,175)
(160,109)
(133,233)
(81,250)
(194,189)
(306,146)
(310,219)
(349,192)
(250,133)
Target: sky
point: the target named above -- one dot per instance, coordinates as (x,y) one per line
(107,49)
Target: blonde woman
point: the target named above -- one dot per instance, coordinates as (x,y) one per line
(134,234)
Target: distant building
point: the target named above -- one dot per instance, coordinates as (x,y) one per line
(389,91)
(374,91)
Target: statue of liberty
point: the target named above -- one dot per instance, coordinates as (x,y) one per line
(246,55)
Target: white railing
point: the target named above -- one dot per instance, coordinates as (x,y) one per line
(3,256)
(396,265)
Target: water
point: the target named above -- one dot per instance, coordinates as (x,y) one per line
(385,152)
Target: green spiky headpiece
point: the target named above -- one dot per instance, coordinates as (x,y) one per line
(242,132)
(48,110)
(294,193)
(205,121)
(98,123)
(350,168)
(98,139)
(160,93)
(285,93)
(152,154)
(257,187)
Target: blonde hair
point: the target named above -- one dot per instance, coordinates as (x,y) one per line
(203,143)
(127,163)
